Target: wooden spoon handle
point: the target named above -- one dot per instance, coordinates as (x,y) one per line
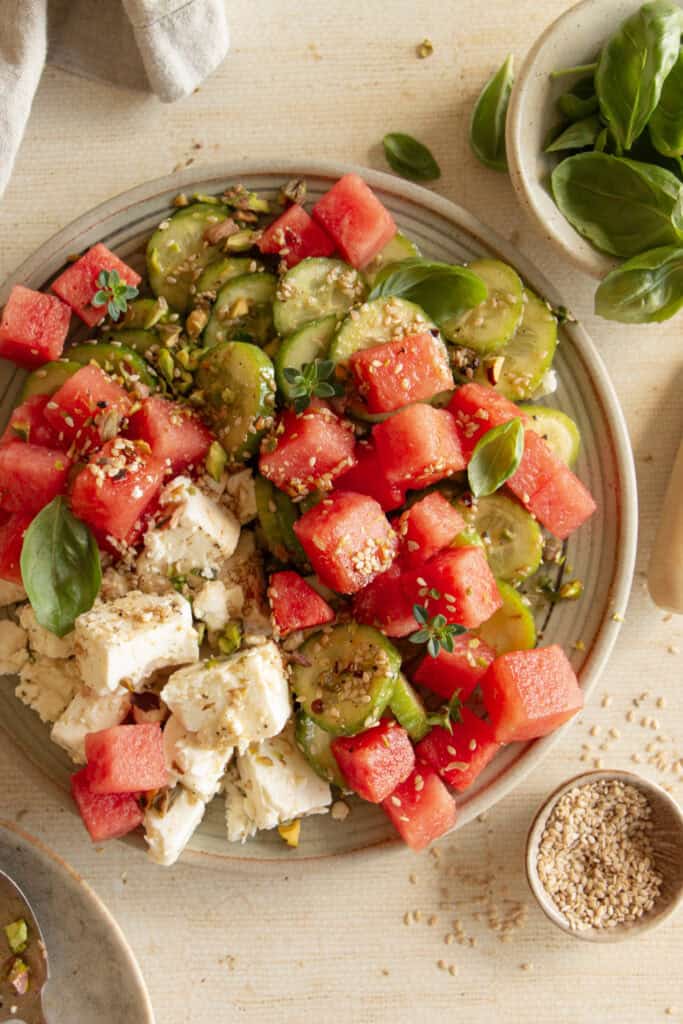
(665,576)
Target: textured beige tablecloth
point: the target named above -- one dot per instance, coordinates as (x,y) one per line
(327,943)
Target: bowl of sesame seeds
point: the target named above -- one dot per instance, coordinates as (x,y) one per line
(604,856)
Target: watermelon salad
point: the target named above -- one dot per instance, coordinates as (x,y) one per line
(278,507)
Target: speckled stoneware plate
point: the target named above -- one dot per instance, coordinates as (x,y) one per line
(601,554)
(80,936)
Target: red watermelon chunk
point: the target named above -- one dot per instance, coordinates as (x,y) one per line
(33,328)
(376,761)
(126,759)
(31,476)
(563,504)
(175,434)
(459,756)
(367,477)
(308,451)
(12,530)
(107,816)
(384,605)
(421,809)
(87,408)
(529,693)
(348,540)
(468,591)
(418,446)
(295,604)
(477,408)
(538,467)
(355,219)
(396,373)
(428,526)
(457,671)
(295,236)
(77,284)
(27,423)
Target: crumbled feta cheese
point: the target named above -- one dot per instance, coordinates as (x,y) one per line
(116,583)
(168,830)
(240,495)
(274,784)
(245,570)
(88,712)
(548,386)
(129,638)
(13,653)
(47,686)
(41,640)
(11,593)
(197,766)
(232,701)
(215,604)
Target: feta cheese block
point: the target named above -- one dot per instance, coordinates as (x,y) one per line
(13,652)
(11,593)
(274,784)
(240,495)
(124,641)
(197,766)
(245,570)
(168,829)
(216,604)
(195,533)
(232,701)
(88,712)
(47,686)
(41,640)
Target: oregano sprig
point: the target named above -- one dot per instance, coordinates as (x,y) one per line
(436,632)
(113,293)
(313,380)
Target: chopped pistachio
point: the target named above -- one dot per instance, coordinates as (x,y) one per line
(425,49)
(17,935)
(181,200)
(159,310)
(293,191)
(166,364)
(230,639)
(18,976)
(201,197)
(216,458)
(242,240)
(239,198)
(570,591)
(290,832)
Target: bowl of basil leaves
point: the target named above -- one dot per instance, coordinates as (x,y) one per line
(594,147)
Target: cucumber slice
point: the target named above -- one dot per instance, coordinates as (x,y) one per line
(399,248)
(238,384)
(48,378)
(244,309)
(350,679)
(213,277)
(529,353)
(374,323)
(314,744)
(490,325)
(315,288)
(176,253)
(137,338)
(468,538)
(512,627)
(277,514)
(408,709)
(513,540)
(145,314)
(558,429)
(288,515)
(310,342)
(118,360)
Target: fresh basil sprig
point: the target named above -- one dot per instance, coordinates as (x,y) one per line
(487,127)
(410,158)
(496,457)
(442,290)
(580,101)
(579,135)
(60,567)
(666,123)
(113,293)
(647,288)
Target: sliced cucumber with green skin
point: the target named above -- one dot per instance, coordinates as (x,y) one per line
(309,343)
(490,325)
(513,540)
(468,538)
(277,514)
(512,627)
(224,269)
(118,360)
(144,314)
(176,253)
(314,744)
(408,709)
(558,429)
(49,377)
(529,353)
(137,338)
(315,288)
(349,680)
(237,381)
(376,322)
(256,292)
(288,515)
(399,248)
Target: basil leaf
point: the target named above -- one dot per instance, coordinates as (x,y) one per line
(443,290)
(496,457)
(409,158)
(580,101)
(60,567)
(633,67)
(645,289)
(666,124)
(622,206)
(487,127)
(577,136)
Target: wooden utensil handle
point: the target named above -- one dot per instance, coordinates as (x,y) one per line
(665,576)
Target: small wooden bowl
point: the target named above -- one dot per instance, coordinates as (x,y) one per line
(667,839)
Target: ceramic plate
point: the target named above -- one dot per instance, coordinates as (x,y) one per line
(601,554)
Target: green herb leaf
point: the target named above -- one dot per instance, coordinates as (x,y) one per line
(60,567)
(410,158)
(645,289)
(633,66)
(580,101)
(113,293)
(314,379)
(666,123)
(577,136)
(621,206)
(437,632)
(577,69)
(443,290)
(496,457)
(487,127)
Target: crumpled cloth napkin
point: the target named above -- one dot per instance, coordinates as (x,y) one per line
(166,46)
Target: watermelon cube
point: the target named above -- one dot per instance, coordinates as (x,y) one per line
(477,408)
(175,434)
(295,236)
(87,408)
(430,525)
(457,671)
(27,423)
(421,809)
(126,759)
(31,476)
(355,219)
(367,477)
(12,530)
(563,504)
(538,467)
(376,761)
(307,452)
(348,540)
(418,446)
(396,373)
(468,593)
(33,327)
(529,693)
(106,816)
(461,754)
(77,285)
(295,604)
(383,604)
